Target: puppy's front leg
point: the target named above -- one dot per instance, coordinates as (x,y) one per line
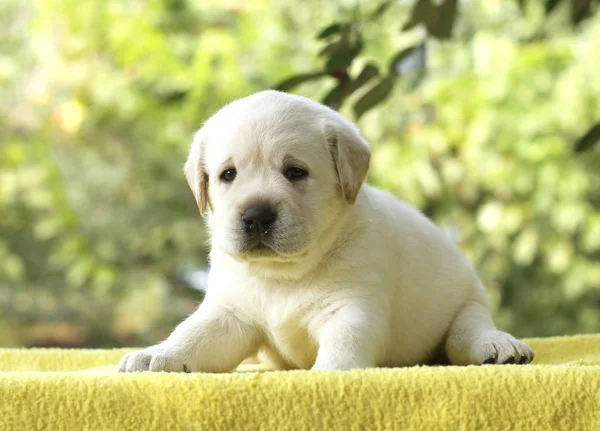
(350,338)
(212,339)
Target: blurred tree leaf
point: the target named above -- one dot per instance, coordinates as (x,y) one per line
(368,72)
(329,49)
(295,81)
(330,30)
(580,10)
(374,96)
(550,5)
(446,16)
(438,19)
(342,55)
(588,140)
(381,9)
(334,98)
(423,12)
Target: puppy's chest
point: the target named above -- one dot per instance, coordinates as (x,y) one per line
(287,330)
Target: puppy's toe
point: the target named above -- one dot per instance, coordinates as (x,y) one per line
(123,363)
(137,362)
(486,353)
(168,363)
(501,348)
(524,353)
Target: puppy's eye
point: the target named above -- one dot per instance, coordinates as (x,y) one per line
(228,175)
(294,174)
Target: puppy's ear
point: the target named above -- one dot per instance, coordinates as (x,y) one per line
(351,156)
(196,177)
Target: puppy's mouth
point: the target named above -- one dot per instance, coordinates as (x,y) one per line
(270,244)
(259,245)
(263,248)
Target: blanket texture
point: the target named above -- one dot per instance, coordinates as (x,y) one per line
(52,389)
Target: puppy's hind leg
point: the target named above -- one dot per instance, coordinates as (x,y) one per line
(474,340)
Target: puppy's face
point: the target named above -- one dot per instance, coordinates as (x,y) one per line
(273,170)
(268,187)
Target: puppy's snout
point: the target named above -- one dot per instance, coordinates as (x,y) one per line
(258,219)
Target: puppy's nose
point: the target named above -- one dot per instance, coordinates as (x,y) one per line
(258,218)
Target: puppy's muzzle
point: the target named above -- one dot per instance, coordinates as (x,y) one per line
(258,220)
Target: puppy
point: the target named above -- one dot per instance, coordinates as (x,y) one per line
(311,268)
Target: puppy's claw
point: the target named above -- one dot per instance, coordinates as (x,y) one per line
(510,360)
(491,360)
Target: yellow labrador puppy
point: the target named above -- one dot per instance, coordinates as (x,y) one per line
(311,268)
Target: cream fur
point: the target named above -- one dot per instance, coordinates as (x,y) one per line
(353,277)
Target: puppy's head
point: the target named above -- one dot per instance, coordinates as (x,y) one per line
(273,171)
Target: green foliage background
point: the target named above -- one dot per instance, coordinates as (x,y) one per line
(99,100)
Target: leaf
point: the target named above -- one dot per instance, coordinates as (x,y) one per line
(374,96)
(550,5)
(589,139)
(334,98)
(580,10)
(439,20)
(446,16)
(295,81)
(330,30)
(328,49)
(423,12)
(381,9)
(369,72)
(343,56)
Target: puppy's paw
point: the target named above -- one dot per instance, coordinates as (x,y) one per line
(156,358)
(501,348)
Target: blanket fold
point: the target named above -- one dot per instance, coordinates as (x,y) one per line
(57,389)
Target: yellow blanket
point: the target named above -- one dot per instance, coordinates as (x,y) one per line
(51,389)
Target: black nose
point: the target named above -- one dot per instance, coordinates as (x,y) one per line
(258,219)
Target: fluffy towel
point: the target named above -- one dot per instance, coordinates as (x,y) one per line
(52,389)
